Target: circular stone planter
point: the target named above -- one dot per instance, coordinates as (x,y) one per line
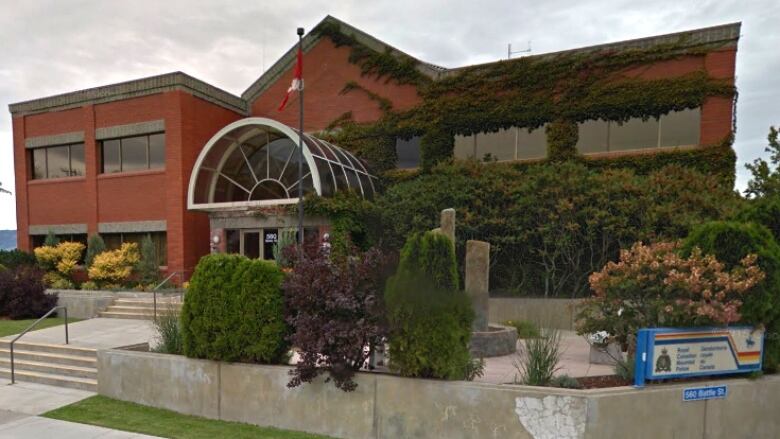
(498,340)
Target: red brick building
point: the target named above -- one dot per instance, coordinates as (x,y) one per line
(118,160)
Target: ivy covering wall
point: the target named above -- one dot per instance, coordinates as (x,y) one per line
(550,222)
(558,89)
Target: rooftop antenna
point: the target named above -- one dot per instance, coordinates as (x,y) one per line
(510,52)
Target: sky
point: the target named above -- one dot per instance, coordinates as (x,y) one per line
(49,47)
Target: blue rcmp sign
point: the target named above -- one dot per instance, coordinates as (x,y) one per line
(702,393)
(664,353)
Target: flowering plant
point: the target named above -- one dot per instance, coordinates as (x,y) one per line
(652,285)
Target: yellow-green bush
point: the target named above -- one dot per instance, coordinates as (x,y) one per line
(59,262)
(115,266)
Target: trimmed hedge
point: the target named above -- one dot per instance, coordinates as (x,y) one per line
(234,311)
(729,242)
(430,318)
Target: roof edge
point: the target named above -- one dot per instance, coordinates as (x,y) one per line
(701,36)
(311,39)
(131,89)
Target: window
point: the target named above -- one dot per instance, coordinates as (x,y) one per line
(676,128)
(408,152)
(133,153)
(115,240)
(633,134)
(58,161)
(509,144)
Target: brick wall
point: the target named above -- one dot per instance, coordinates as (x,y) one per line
(326,71)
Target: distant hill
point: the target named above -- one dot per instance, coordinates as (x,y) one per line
(7,239)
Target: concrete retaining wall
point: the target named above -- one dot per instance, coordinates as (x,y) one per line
(556,313)
(83,304)
(385,406)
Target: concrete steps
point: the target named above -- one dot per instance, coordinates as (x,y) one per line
(141,308)
(55,365)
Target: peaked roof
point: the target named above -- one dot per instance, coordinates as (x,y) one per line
(726,33)
(310,40)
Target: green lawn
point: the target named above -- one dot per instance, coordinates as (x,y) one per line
(120,415)
(11,327)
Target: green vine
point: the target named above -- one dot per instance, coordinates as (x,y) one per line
(384,104)
(562,140)
(559,90)
(393,66)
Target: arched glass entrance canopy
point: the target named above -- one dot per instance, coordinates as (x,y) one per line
(254,162)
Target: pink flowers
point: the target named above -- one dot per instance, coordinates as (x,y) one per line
(655,286)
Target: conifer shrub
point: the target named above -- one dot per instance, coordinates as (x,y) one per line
(730,242)
(113,267)
(95,246)
(430,318)
(234,311)
(148,267)
(764,211)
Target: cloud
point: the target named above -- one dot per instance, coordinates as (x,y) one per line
(52,46)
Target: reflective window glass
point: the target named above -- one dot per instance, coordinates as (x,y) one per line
(592,136)
(58,162)
(39,163)
(681,128)
(465,147)
(134,155)
(157,151)
(77,160)
(111,156)
(633,134)
(408,152)
(499,145)
(531,144)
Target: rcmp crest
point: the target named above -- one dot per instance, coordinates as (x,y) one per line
(664,362)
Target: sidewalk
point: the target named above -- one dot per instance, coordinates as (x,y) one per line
(97,333)
(21,403)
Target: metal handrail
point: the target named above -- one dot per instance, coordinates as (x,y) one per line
(51,311)
(154,290)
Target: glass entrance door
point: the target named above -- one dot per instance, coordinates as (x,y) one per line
(250,243)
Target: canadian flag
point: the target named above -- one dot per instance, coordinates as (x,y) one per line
(297,82)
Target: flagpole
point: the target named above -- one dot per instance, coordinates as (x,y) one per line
(300,151)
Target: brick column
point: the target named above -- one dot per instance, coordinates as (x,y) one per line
(92,169)
(21,171)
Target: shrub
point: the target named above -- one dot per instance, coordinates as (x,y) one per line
(539,361)
(63,258)
(168,332)
(731,242)
(51,239)
(525,329)
(334,306)
(652,285)
(625,368)
(764,211)
(115,266)
(23,293)
(234,311)
(430,323)
(89,286)
(565,382)
(95,246)
(13,258)
(551,225)
(57,281)
(148,267)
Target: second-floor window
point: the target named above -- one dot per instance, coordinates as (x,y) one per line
(133,153)
(58,161)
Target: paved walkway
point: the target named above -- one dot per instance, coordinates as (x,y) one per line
(96,333)
(22,402)
(574,362)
